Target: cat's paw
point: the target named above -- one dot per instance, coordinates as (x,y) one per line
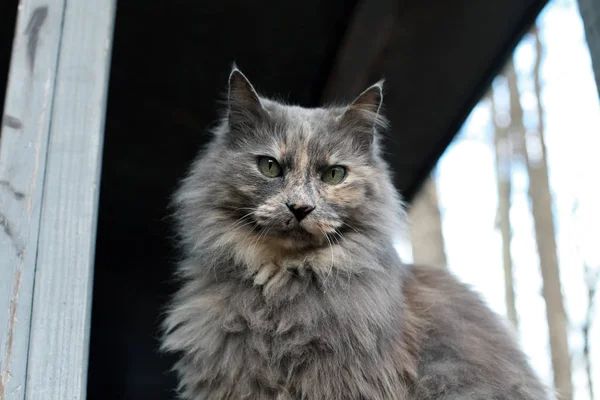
(296,268)
(266,272)
(273,275)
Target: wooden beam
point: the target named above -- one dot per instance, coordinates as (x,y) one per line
(50,153)
(435,70)
(23,153)
(367,36)
(590,13)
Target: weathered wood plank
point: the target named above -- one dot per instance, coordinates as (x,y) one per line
(590,13)
(23,145)
(58,354)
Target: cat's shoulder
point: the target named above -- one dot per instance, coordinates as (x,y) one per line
(465,349)
(435,292)
(435,281)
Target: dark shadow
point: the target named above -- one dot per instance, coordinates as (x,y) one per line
(171,61)
(8,21)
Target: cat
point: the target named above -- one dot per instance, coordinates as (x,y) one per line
(291,287)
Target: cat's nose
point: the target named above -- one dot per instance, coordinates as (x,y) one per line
(300,210)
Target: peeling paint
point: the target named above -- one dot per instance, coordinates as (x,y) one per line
(12,122)
(8,231)
(38,143)
(38,16)
(18,195)
(5,375)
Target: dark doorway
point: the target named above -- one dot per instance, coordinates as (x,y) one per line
(170,65)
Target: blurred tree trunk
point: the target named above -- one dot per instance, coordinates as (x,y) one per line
(591,280)
(503,152)
(590,13)
(534,155)
(427,238)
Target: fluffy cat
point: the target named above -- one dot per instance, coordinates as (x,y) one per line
(291,285)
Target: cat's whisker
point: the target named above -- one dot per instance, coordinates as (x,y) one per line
(244,208)
(332,261)
(249,233)
(237,226)
(240,220)
(338,236)
(351,227)
(262,233)
(246,223)
(223,236)
(255,239)
(335,237)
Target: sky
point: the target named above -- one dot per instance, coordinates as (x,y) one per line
(572,132)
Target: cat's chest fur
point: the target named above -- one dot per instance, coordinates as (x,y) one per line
(311,345)
(286,188)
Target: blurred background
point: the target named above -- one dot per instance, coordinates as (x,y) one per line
(512,206)
(495,134)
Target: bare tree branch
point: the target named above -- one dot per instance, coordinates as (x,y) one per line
(534,154)
(427,238)
(503,177)
(592,278)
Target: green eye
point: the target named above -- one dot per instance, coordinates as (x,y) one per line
(269,167)
(334,175)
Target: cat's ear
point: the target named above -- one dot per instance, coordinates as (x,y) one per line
(363,116)
(244,105)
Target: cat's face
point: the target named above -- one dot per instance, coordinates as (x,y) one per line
(298,176)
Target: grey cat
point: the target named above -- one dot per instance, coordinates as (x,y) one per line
(291,285)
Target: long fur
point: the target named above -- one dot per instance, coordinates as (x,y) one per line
(273,308)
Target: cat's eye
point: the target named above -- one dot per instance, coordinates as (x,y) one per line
(334,175)
(269,167)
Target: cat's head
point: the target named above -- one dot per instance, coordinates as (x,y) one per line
(293,176)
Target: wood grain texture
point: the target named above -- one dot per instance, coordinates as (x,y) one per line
(50,152)
(23,155)
(60,323)
(590,13)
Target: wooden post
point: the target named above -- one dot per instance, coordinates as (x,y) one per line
(50,154)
